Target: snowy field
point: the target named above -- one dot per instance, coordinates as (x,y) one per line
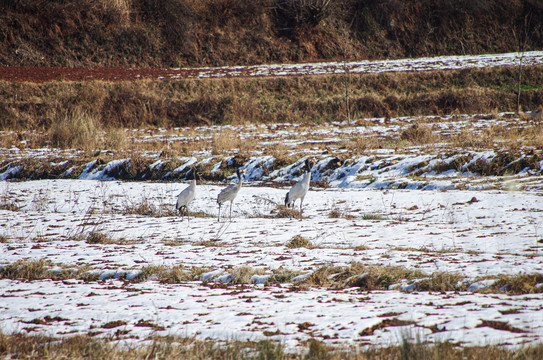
(422,208)
(480,234)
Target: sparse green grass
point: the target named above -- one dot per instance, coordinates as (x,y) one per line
(199,214)
(373,216)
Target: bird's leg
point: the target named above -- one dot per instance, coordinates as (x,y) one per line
(219,217)
(301,209)
(231,210)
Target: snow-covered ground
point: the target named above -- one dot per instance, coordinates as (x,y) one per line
(384,207)
(479,234)
(365,66)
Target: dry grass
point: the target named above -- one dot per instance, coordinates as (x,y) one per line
(298,241)
(365,277)
(171,33)
(337,213)
(170,347)
(282,211)
(76,129)
(307,100)
(418,134)
(28,270)
(96,237)
(175,274)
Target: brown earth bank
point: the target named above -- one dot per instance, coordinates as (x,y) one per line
(150,33)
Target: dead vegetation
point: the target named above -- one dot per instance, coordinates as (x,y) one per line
(298,241)
(282,211)
(223,32)
(170,347)
(100,238)
(365,277)
(75,114)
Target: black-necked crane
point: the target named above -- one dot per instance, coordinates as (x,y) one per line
(299,190)
(229,194)
(187,195)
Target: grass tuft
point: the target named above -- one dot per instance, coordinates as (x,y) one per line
(298,241)
(282,211)
(95,237)
(372,216)
(77,128)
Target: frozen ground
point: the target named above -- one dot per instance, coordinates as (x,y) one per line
(480,234)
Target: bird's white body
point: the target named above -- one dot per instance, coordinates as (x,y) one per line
(186,196)
(229,194)
(299,190)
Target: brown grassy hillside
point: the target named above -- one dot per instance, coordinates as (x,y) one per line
(220,32)
(310,99)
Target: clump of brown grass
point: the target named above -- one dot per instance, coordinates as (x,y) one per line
(77,128)
(242,275)
(360,144)
(519,284)
(28,270)
(337,213)
(96,237)
(170,275)
(226,140)
(366,277)
(440,281)
(282,211)
(298,241)
(418,134)
(116,139)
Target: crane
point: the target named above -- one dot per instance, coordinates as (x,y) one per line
(187,195)
(299,190)
(229,194)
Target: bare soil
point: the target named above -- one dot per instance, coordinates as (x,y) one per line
(40,74)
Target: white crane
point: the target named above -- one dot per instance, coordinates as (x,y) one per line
(299,190)
(229,194)
(187,195)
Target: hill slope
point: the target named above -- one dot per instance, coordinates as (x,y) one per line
(150,33)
